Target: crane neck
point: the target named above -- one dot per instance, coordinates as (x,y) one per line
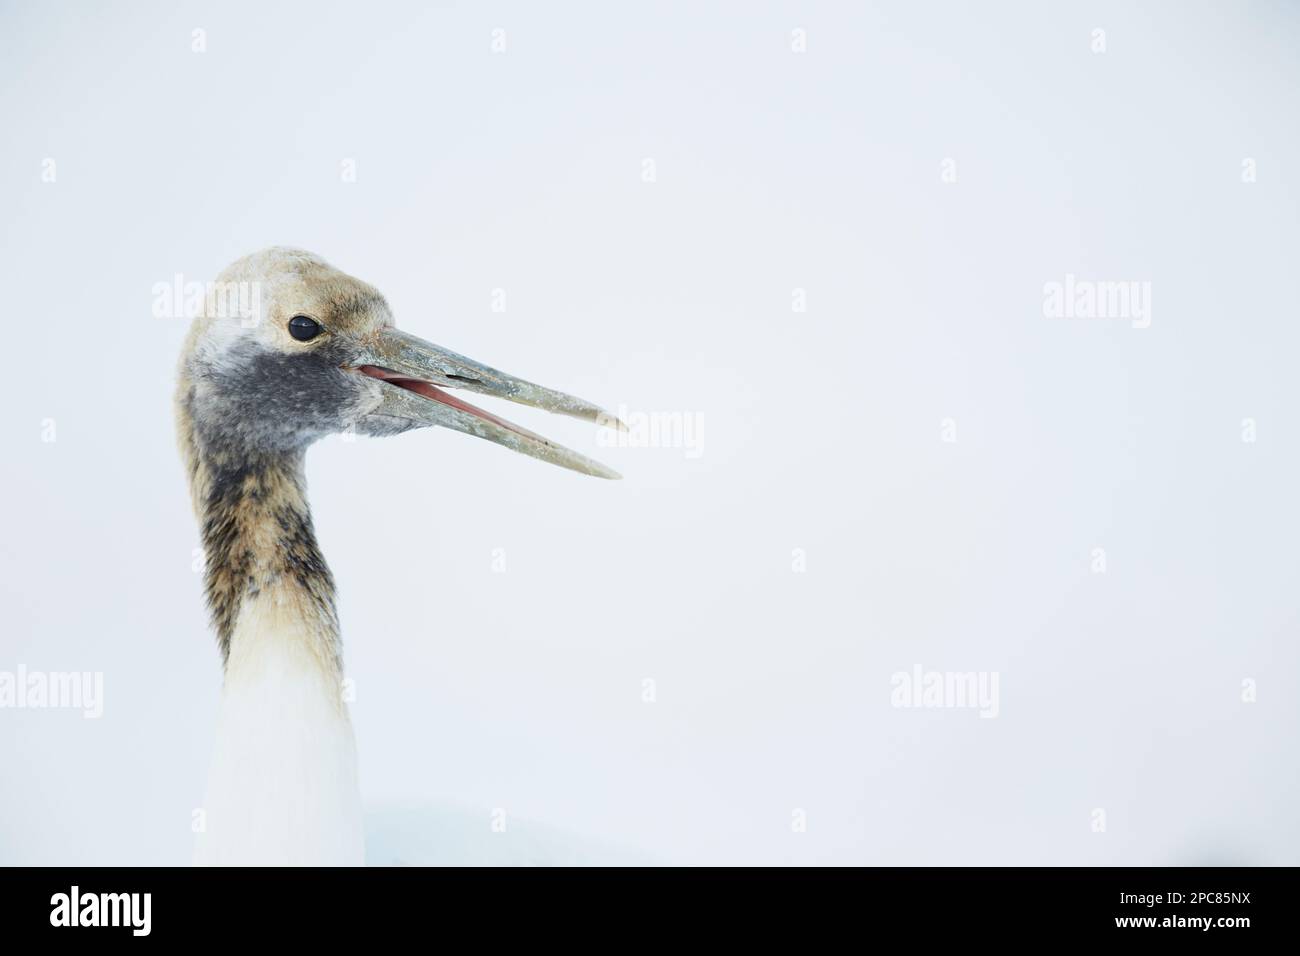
(282,787)
(260,551)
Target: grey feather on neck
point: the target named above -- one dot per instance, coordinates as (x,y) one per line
(256,529)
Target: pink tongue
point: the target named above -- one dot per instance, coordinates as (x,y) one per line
(434,393)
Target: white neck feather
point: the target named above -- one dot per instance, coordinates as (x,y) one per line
(283,783)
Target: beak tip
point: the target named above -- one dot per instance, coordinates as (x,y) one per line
(609,420)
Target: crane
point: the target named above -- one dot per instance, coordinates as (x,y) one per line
(320,356)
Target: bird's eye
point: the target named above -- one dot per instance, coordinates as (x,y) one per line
(302,328)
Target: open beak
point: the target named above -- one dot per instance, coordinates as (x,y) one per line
(418,371)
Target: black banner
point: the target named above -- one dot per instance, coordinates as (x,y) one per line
(334,906)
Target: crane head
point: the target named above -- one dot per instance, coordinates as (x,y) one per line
(289,349)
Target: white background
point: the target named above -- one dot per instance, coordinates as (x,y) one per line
(822,430)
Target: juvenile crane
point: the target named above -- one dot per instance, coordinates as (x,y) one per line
(321,356)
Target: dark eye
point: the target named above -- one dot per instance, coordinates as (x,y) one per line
(303,328)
